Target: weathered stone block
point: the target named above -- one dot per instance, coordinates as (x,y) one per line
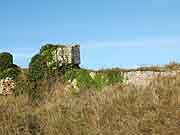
(67,55)
(6,86)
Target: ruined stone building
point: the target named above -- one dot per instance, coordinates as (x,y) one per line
(59,55)
(8,73)
(67,55)
(55,55)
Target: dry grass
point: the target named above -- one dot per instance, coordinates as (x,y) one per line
(172,66)
(117,110)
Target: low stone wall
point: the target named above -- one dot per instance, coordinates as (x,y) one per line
(144,78)
(6,86)
(137,78)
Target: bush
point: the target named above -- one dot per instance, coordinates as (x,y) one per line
(7,68)
(48,47)
(84,80)
(42,64)
(100,80)
(38,67)
(114,77)
(10,72)
(103,79)
(23,85)
(6,59)
(70,72)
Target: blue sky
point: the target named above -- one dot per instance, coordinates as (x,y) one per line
(112,33)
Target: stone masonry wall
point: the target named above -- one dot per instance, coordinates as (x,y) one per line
(143,78)
(137,78)
(6,86)
(67,54)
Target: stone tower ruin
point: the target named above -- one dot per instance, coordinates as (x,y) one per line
(67,55)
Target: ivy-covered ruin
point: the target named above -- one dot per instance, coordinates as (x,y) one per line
(51,64)
(52,58)
(8,73)
(7,68)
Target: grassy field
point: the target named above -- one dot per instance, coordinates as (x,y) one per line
(115,110)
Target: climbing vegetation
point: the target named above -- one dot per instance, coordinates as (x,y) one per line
(6,59)
(7,68)
(42,64)
(85,79)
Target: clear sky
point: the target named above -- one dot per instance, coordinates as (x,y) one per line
(112,33)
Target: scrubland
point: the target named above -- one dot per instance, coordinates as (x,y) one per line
(115,110)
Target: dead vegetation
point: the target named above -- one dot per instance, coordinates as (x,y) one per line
(171,66)
(117,110)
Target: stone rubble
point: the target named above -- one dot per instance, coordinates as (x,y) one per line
(7,86)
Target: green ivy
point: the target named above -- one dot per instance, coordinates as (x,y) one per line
(7,68)
(114,77)
(42,64)
(11,73)
(38,67)
(6,59)
(70,72)
(100,80)
(84,80)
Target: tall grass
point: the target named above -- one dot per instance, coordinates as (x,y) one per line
(117,110)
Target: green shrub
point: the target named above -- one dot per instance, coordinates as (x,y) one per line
(84,80)
(38,67)
(23,84)
(7,68)
(114,77)
(107,78)
(42,64)
(99,81)
(10,72)
(70,72)
(6,59)
(48,47)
